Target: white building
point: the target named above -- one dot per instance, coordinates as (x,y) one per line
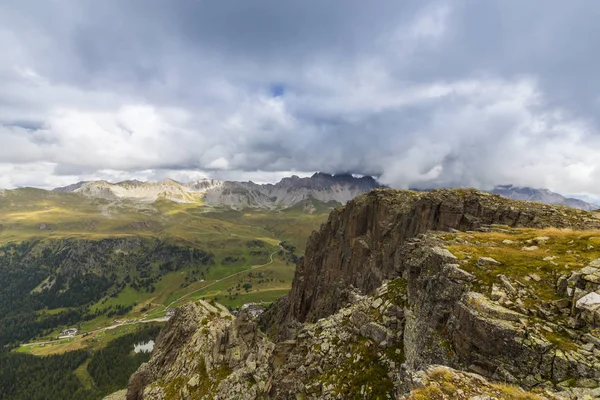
(69,332)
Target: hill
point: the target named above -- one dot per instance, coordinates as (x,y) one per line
(108,259)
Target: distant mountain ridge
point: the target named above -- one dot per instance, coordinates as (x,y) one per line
(146,192)
(542,196)
(319,188)
(310,192)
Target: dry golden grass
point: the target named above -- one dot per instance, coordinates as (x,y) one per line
(564,251)
(516,393)
(58,348)
(446,385)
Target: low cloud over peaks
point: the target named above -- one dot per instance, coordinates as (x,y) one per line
(422,94)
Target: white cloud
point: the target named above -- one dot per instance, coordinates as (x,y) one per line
(219,163)
(423,93)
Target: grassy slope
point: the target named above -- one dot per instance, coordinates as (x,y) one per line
(32,214)
(84,377)
(564,251)
(268,283)
(556,252)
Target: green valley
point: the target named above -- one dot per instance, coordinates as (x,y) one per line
(68,260)
(92,269)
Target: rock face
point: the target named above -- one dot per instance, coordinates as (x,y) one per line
(377,304)
(442,382)
(201,347)
(358,245)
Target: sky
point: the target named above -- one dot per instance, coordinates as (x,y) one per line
(418,93)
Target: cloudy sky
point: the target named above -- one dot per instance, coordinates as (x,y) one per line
(419,93)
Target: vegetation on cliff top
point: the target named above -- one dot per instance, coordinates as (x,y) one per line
(443,383)
(533,257)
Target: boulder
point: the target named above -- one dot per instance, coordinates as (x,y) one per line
(590,301)
(482,304)
(595,263)
(589,306)
(376,332)
(488,261)
(530,248)
(589,270)
(507,285)
(497,293)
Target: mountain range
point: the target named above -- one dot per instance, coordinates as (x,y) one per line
(308,192)
(320,188)
(542,196)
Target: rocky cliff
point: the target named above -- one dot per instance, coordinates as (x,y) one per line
(358,246)
(384,307)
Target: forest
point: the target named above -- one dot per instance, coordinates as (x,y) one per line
(73,274)
(28,377)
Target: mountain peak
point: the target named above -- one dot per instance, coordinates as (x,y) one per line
(71,187)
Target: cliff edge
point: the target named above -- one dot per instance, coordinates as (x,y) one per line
(358,246)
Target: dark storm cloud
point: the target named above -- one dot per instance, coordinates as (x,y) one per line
(423,94)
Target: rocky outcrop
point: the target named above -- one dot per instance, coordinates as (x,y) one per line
(356,350)
(375,304)
(582,288)
(433,313)
(358,246)
(444,383)
(203,351)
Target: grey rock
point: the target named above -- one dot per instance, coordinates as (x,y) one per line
(375,332)
(454,272)
(359,318)
(591,339)
(595,263)
(507,285)
(488,261)
(530,248)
